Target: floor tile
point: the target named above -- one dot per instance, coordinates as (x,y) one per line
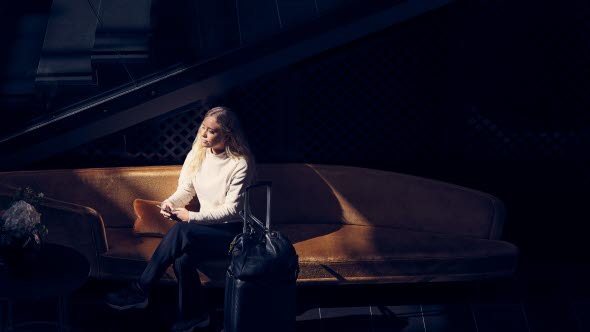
(345,319)
(448,318)
(311,314)
(345,325)
(548,310)
(582,315)
(403,318)
(346,312)
(309,326)
(505,317)
(309,321)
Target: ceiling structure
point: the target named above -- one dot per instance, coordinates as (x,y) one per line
(75,71)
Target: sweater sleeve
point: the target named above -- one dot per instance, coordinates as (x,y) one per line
(183,195)
(233,200)
(185,190)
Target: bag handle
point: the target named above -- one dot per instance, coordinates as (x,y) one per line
(248,214)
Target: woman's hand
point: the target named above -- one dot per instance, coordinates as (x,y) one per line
(181,213)
(166,208)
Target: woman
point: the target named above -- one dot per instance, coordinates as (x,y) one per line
(217,170)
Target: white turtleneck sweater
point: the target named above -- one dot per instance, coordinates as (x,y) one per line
(219,185)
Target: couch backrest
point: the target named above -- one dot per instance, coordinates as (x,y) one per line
(110,191)
(302,193)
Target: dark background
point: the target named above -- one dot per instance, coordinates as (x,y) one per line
(491,95)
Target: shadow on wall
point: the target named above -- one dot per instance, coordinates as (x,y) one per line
(299,196)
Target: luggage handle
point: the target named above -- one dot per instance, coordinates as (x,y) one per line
(248,214)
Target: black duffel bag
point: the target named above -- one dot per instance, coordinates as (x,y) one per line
(261,277)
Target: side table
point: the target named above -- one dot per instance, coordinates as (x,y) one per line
(58,271)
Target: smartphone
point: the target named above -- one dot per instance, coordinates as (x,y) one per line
(172,216)
(163,209)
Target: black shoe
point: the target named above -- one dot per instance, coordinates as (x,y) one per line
(127,298)
(191,324)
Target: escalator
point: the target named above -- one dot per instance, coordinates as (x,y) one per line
(130,75)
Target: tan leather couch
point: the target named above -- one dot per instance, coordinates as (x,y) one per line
(348,225)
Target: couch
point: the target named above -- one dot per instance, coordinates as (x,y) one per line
(349,225)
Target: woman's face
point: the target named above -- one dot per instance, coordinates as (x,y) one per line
(211,135)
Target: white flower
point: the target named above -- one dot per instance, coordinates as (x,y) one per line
(21,216)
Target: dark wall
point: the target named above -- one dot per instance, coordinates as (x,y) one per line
(489,95)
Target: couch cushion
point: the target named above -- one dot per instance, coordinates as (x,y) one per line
(149,221)
(342,254)
(352,253)
(128,256)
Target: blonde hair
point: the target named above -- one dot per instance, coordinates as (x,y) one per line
(236,145)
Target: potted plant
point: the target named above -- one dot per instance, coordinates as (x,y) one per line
(21,231)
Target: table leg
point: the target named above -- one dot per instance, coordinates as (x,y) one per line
(2,323)
(6,323)
(63,314)
(61,324)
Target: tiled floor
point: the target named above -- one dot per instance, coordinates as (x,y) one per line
(545,295)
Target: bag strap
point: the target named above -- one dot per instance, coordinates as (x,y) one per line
(247,213)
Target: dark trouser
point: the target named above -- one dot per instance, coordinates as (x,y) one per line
(186,245)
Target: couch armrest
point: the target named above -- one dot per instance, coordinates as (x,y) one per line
(76,226)
(72,225)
